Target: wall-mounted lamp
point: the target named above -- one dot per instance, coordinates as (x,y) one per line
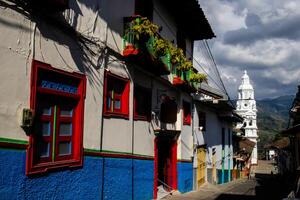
(27,118)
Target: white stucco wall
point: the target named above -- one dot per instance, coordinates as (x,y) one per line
(102,20)
(25,41)
(143,131)
(15,72)
(114,12)
(117,135)
(185,140)
(213,139)
(143,138)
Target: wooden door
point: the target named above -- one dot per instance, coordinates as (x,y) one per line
(201,158)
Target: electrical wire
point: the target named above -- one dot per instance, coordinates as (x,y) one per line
(216,67)
(207,60)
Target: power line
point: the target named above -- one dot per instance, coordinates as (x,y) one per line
(216,67)
(218,71)
(206,57)
(210,61)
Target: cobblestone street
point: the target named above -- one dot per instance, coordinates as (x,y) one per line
(265,185)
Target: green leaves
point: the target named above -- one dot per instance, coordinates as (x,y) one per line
(142,29)
(143,26)
(176,55)
(198,77)
(185,65)
(161,46)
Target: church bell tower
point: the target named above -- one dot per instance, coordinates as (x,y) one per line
(246,107)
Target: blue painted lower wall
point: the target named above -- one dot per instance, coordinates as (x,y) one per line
(99,178)
(143,179)
(121,174)
(226,177)
(185,176)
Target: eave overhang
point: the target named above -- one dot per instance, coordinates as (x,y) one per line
(220,105)
(231,117)
(292,131)
(191,18)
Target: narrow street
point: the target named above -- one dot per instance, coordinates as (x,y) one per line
(265,185)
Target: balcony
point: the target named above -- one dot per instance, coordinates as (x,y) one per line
(144,46)
(181,79)
(141,46)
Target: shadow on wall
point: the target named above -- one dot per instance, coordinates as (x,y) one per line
(88,53)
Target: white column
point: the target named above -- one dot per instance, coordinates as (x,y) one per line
(254,153)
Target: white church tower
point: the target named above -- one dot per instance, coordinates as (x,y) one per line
(246,107)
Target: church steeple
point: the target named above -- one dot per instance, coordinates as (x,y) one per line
(245,79)
(246,90)
(246,107)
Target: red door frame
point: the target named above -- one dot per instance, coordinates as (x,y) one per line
(173,170)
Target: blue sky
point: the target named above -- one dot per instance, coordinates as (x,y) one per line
(262,37)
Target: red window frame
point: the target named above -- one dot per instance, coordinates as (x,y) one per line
(186,113)
(111,84)
(38,94)
(145,104)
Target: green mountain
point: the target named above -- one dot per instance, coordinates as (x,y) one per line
(273,114)
(272,117)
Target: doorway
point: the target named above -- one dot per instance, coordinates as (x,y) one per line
(201,160)
(165,164)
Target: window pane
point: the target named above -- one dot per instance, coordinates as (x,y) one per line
(64,148)
(45,128)
(65,128)
(44,149)
(66,112)
(46,111)
(108,102)
(115,89)
(119,87)
(117,104)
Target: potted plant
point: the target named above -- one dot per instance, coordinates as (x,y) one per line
(138,30)
(143,27)
(183,69)
(197,78)
(177,58)
(177,55)
(161,49)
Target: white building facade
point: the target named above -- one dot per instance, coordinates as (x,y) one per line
(246,107)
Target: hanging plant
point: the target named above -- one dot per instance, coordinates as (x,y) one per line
(143,27)
(185,66)
(198,77)
(161,46)
(177,55)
